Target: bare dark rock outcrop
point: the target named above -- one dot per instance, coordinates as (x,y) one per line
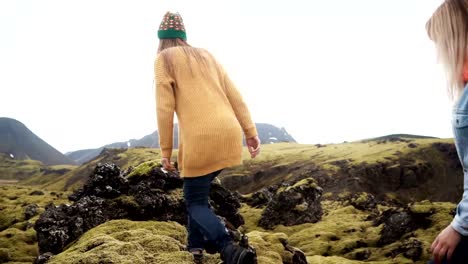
(298,256)
(105,182)
(42,259)
(112,194)
(258,199)
(30,211)
(226,204)
(397,223)
(411,248)
(37,192)
(362,254)
(60,225)
(293,205)
(364,201)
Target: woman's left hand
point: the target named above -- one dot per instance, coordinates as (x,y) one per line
(445,243)
(253,144)
(166,163)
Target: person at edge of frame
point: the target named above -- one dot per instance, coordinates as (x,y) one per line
(448,28)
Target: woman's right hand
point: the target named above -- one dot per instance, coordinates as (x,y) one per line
(253,144)
(166,163)
(445,243)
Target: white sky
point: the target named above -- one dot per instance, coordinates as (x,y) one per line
(79,73)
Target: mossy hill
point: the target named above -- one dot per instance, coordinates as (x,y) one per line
(404,169)
(14,170)
(20,143)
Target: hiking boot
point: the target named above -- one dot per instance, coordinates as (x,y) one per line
(235,254)
(197,254)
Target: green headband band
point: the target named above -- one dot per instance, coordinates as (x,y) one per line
(172,34)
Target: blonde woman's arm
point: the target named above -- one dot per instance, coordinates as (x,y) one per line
(165,107)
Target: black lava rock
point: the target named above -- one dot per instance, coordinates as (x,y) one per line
(226,204)
(43,258)
(293,205)
(298,255)
(30,211)
(397,223)
(37,193)
(105,182)
(156,204)
(259,199)
(362,254)
(110,194)
(411,249)
(60,225)
(364,201)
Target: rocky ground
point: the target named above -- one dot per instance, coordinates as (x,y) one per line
(20,207)
(346,210)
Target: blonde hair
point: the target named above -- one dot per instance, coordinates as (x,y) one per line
(191,54)
(448,28)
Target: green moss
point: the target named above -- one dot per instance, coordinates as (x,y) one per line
(422,207)
(362,198)
(124,241)
(17,237)
(301,207)
(341,233)
(309,182)
(125,201)
(340,229)
(20,245)
(330,167)
(144,168)
(342,260)
(391,196)
(344,195)
(441,218)
(251,218)
(269,248)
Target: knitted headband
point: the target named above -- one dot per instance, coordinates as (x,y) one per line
(172,27)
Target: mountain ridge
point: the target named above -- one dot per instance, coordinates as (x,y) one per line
(19,142)
(267,133)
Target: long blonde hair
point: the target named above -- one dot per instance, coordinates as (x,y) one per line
(448,28)
(191,54)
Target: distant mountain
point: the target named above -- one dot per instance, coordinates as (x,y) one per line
(18,142)
(397,137)
(267,133)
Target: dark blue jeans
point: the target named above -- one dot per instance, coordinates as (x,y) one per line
(460,255)
(203,225)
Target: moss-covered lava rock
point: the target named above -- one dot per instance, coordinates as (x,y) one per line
(146,193)
(292,205)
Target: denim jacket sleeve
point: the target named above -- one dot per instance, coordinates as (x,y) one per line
(460,131)
(460,221)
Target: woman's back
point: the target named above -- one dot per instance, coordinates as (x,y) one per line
(209,108)
(201,102)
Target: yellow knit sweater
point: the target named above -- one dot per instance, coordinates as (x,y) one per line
(210,110)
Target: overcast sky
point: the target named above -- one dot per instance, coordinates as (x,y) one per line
(79,73)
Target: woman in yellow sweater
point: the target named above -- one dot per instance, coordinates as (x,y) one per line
(212,116)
